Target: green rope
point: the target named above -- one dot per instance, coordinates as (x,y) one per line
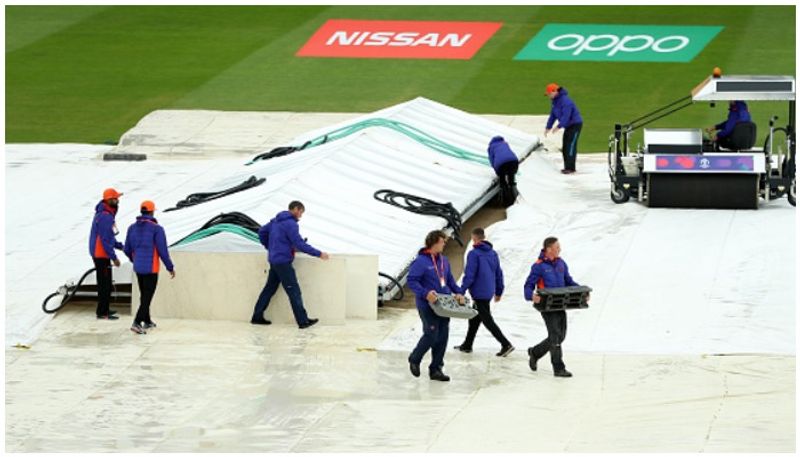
(405,129)
(229,228)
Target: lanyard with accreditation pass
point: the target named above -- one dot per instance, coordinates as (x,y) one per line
(436,267)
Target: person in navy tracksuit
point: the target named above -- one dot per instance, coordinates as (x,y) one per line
(549,270)
(505,164)
(281,237)
(428,276)
(737,112)
(569,118)
(146,246)
(102,243)
(483,277)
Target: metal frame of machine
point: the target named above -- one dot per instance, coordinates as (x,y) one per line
(630,172)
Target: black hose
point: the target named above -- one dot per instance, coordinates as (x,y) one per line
(202,197)
(70,292)
(235,217)
(394,283)
(425,206)
(280,151)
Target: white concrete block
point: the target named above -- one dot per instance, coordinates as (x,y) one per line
(362,286)
(225,286)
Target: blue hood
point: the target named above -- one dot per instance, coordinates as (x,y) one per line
(146,246)
(423,277)
(500,153)
(281,237)
(564,110)
(483,276)
(546,274)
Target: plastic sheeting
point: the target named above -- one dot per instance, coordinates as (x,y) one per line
(335,181)
(672,288)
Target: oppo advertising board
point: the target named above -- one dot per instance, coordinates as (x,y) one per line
(618,43)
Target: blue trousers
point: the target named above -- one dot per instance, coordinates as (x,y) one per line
(281,274)
(435,332)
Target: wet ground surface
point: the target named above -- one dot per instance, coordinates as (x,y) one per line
(199,386)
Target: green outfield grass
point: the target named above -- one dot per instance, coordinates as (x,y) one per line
(87,74)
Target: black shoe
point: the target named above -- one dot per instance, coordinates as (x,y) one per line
(414,367)
(463,348)
(260,322)
(112,311)
(562,374)
(149,325)
(532,360)
(136,328)
(504,351)
(309,323)
(109,317)
(439,376)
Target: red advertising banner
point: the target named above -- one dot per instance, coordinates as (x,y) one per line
(398,39)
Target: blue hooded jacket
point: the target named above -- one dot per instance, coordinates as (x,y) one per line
(102,240)
(483,276)
(736,113)
(145,244)
(423,277)
(563,109)
(281,237)
(500,153)
(547,273)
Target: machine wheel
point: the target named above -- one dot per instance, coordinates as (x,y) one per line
(792,194)
(620,195)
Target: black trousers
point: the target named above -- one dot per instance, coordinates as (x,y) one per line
(725,142)
(556,323)
(484,317)
(102,271)
(569,145)
(147,288)
(506,176)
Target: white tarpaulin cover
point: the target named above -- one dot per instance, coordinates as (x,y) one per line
(49,219)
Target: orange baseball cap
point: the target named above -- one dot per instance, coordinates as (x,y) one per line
(149,206)
(552,87)
(111,193)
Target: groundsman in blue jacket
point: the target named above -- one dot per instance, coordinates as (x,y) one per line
(505,164)
(429,276)
(548,271)
(564,111)
(483,277)
(281,237)
(146,247)
(737,112)
(102,243)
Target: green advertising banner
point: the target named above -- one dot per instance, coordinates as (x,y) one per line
(618,43)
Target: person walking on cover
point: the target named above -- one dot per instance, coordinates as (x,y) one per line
(145,244)
(281,237)
(429,276)
(549,270)
(102,243)
(483,277)
(569,118)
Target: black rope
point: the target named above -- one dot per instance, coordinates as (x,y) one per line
(236,218)
(202,197)
(425,206)
(281,151)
